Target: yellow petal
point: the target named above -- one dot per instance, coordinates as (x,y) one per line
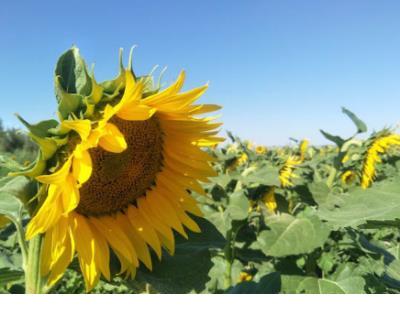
(48,214)
(70,194)
(57,177)
(113,140)
(82,127)
(136,113)
(82,167)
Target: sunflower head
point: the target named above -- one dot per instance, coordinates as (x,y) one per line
(116,171)
(261,150)
(378,146)
(348,177)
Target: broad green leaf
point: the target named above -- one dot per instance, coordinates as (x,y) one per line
(10,206)
(187,270)
(288,235)
(73,74)
(20,187)
(218,275)
(266,175)
(380,202)
(361,127)
(238,207)
(290,283)
(320,192)
(351,285)
(268,284)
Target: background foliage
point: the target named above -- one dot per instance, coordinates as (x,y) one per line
(322,234)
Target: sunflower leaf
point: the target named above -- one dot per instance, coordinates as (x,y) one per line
(361,126)
(378,203)
(288,235)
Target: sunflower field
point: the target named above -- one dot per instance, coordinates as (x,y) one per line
(121,199)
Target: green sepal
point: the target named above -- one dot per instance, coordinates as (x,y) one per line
(67,102)
(47,145)
(72,70)
(94,98)
(112,87)
(35,169)
(40,129)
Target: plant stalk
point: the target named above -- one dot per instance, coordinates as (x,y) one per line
(33,280)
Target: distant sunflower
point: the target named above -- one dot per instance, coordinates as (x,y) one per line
(269,200)
(261,150)
(124,182)
(378,147)
(303,148)
(286,173)
(348,177)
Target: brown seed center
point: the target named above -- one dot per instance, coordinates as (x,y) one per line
(120,179)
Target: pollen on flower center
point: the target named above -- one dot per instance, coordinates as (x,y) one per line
(120,179)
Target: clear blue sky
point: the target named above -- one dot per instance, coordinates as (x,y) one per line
(280,68)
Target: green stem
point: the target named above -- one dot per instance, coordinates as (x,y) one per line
(22,242)
(33,284)
(228,260)
(331,178)
(230,254)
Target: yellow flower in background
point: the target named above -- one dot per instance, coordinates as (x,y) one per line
(239,161)
(261,150)
(346,158)
(303,148)
(286,174)
(124,185)
(378,147)
(348,177)
(245,277)
(269,200)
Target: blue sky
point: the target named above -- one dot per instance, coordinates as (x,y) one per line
(280,68)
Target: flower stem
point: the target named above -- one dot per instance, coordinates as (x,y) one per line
(22,243)
(33,284)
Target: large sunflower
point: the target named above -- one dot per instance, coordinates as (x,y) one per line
(122,179)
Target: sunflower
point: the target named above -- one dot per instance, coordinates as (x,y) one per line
(303,148)
(269,200)
(261,150)
(379,146)
(286,173)
(123,179)
(348,177)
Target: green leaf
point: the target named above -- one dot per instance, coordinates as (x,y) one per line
(73,74)
(20,187)
(350,285)
(217,274)
(238,207)
(268,284)
(380,202)
(392,274)
(40,129)
(10,206)
(9,276)
(187,270)
(288,235)
(336,139)
(361,126)
(320,192)
(266,175)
